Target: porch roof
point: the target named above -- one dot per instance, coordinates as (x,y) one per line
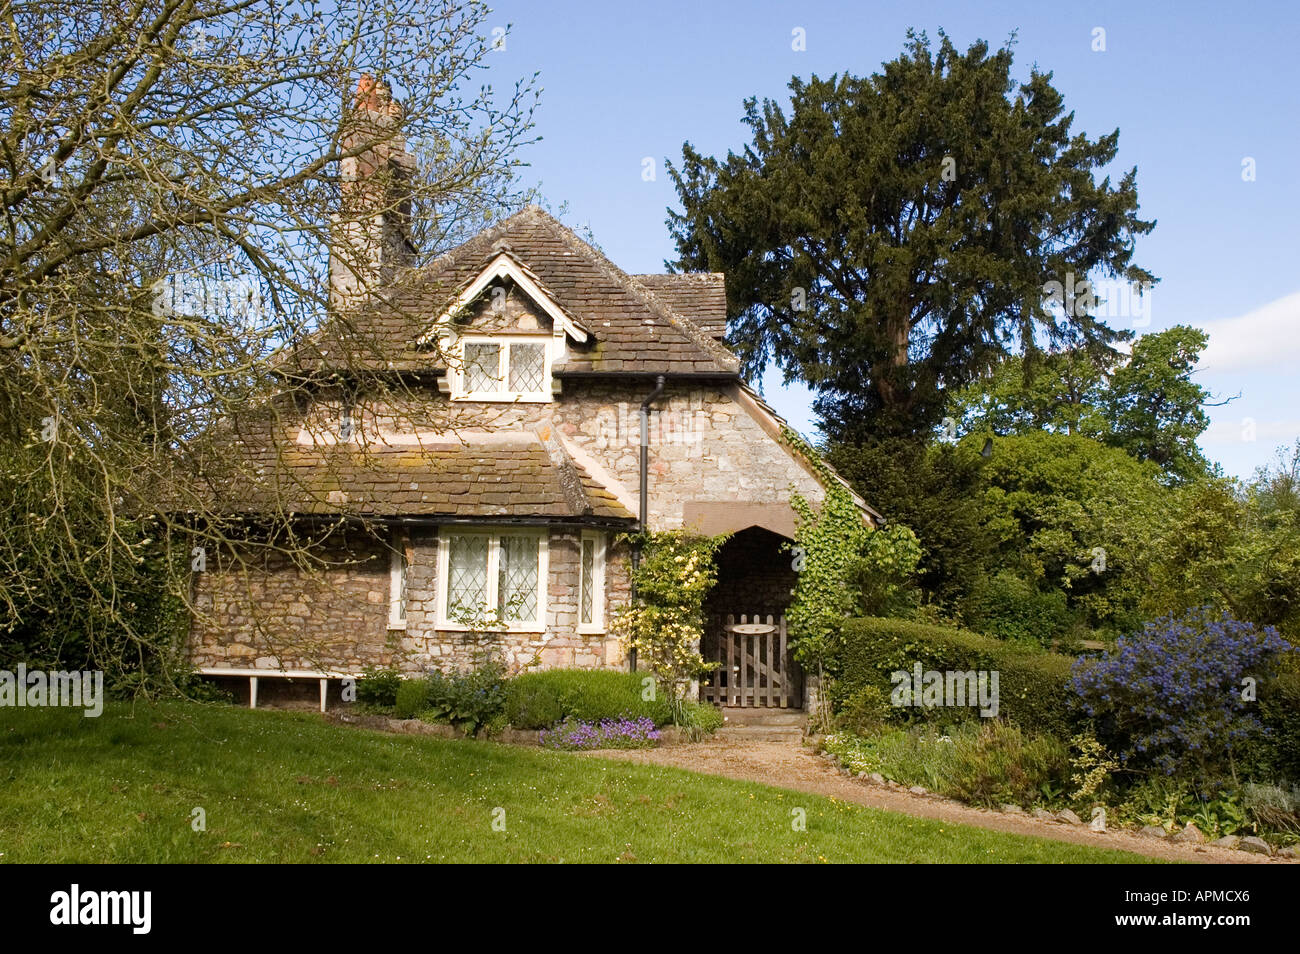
(712,517)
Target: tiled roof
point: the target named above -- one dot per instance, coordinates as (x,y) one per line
(455,475)
(635,326)
(700,297)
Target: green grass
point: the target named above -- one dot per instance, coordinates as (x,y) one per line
(288,787)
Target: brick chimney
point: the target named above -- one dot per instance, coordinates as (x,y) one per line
(370,237)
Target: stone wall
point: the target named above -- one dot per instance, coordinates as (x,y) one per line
(267,613)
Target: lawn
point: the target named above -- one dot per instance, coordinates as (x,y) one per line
(289,787)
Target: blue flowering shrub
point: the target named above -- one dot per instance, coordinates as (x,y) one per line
(1181,696)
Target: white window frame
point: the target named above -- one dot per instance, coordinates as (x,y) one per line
(494,535)
(456,375)
(597,624)
(399,582)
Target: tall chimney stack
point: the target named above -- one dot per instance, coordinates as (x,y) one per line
(370,237)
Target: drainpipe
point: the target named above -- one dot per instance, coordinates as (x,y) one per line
(645,484)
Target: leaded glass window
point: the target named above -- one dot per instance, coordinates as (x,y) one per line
(467,573)
(527,367)
(588,580)
(482,367)
(517,578)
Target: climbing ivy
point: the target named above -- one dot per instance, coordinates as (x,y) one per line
(665,623)
(845,567)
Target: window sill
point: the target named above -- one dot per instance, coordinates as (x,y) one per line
(590,630)
(397,627)
(504,398)
(527,629)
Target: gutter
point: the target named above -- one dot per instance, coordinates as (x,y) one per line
(645,486)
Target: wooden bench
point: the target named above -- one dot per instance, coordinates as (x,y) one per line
(256,674)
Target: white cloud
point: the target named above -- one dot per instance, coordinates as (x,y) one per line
(1266,337)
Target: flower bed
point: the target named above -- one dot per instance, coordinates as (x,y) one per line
(621,733)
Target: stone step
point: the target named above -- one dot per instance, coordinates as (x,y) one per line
(736,715)
(764,733)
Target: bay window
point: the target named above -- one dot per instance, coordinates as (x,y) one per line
(493,578)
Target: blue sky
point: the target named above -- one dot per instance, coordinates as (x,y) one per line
(1195,89)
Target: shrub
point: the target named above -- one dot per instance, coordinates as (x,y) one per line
(865,709)
(605,734)
(665,623)
(468,700)
(1010,608)
(1277,753)
(1273,807)
(538,700)
(411,699)
(1031,684)
(378,687)
(700,719)
(1171,696)
(987,763)
(996,763)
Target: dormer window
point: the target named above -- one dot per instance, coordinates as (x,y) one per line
(503,368)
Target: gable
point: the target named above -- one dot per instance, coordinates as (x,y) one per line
(484,295)
(616,324)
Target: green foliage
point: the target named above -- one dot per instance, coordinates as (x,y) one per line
(988,763)
(411,699)
(665,623)
(468,700)
(877,249)
(1277,753)
(700,719)
(1007,607)
(938,493)
(1069,512)
(1233,550)
(1031,683)
(539,700)
(1153,409)
(1273,807)
(378,687)
(828,548)
(864,709)
(884,573)
(1059,392)
(998,763)
(1147,405)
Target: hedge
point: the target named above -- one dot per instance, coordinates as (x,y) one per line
(538,700)
(1032,688)
(1279,710)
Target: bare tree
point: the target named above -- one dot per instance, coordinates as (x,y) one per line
(173,175)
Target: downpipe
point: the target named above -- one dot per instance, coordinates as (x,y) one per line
(643,516)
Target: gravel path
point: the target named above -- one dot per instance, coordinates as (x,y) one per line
(793,766)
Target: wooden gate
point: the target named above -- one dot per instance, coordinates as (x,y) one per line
(755,666)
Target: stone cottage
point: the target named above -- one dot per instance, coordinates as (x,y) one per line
(470,441)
